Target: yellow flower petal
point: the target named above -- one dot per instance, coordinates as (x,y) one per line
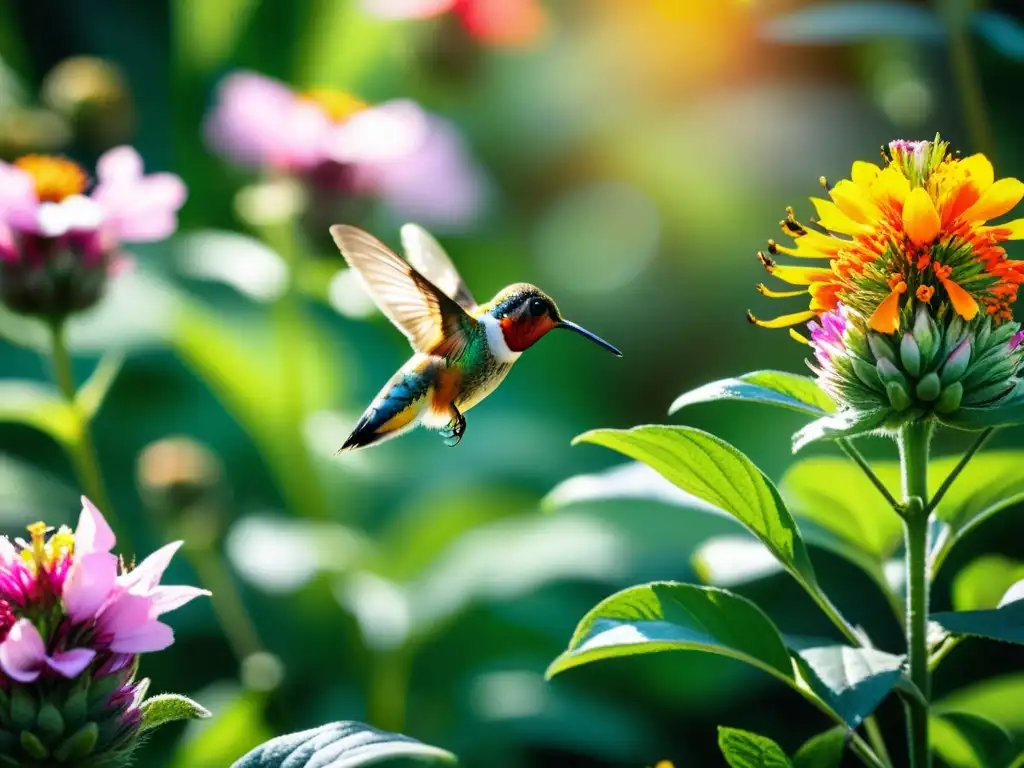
(891,186)
(855,202)
(864,173)
(920,219)
(1011,230)
(980,170)
(998,199)
(886,319)
(830,217)
(800,275)
(798,337)
(766,291)
(813,245)
(783,321)
(962,301)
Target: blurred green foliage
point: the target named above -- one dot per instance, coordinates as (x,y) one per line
(424,589)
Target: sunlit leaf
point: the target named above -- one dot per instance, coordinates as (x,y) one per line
(982,583)
(852,681)
(743,749)
(822,751)
(341,745)
(836,494)
(1002,31)
(847,424)
(239,726)
(169,707)
(718,473)
(798,393)
(28,493)
(668,616)
(91,395)
(1005,622)
(39,406)
(991,482)
(839,23)
(726,561)
(634,480)
(965,740)
(996,699)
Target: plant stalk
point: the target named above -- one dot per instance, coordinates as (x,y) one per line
(389,684)
(81,450)
(914,442)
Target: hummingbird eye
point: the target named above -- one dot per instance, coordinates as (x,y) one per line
(538,307)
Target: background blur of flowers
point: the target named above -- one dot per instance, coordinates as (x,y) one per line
(628,157)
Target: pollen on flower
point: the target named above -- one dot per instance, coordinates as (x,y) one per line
(55,178)
(339,106)
(915,226)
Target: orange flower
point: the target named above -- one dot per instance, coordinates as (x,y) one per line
(915,227)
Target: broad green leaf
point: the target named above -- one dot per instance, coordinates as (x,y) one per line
(1005,622)
(718,473)
(997,699)
(991,482)
(798,393)
(822,751)
(982,583)
(239,726)
(39,406)
(964,740)
(846,424)
(668,616)
(976,419)
(341,745)
(743,749)
(92,394)
(632,480)
(852,681)
(835,494)
(725,561)
(168,707)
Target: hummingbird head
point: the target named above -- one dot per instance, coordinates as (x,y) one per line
(525,313)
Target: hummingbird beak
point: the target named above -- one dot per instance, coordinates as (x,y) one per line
(587,334)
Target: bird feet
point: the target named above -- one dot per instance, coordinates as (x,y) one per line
(455,429)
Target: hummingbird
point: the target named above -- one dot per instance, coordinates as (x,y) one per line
(461,350)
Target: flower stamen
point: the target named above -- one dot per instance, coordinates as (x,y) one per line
(55,178)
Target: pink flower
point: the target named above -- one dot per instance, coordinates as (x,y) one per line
(494,22)
(414,161)
(23,655)
(137,208)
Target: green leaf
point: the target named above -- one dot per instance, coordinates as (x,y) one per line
(1005,623)
(668,616)
(852,681)
(997,699)
(718,473)
(822,751)
(743,749)
(846,424)
(965,740)
(798,393)
(91,394)
(239,726)
(39,406)
(168,707)
(836,495)
(976,419)
(341,745)
(982,583)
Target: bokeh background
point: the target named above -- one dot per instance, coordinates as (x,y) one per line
(634,156)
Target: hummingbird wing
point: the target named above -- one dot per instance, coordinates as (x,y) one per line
(433,322)
(427,256)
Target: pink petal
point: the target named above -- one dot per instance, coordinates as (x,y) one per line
(125,613)
(169,598)
(7,250)
(119,165)
(147,574)
(152,636)
(23,654)
(92,534)
(18,201)
(71,663)
(8,554)
(142,209)
(88,584)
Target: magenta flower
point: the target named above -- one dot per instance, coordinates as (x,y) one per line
(341,148)
(58,243)
(827,337)
(493,22)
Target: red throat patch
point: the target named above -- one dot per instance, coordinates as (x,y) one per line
(523,333)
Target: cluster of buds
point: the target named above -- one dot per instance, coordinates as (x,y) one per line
(932,367)
(58,244)
(73,621)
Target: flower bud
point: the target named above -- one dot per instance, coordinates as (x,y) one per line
(92,94)
(949,400)
(925,333)
(910,355)
(898,397)
(929,387)
(956,364)
(880,347)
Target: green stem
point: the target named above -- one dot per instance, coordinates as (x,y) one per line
(858,458)
(389,683)
(914,443)
(943,651)
(975,447)
(877,740)
(227,604)
(81,451)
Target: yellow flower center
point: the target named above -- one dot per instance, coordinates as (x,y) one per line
(55,178)
(41,552)
(339,106)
